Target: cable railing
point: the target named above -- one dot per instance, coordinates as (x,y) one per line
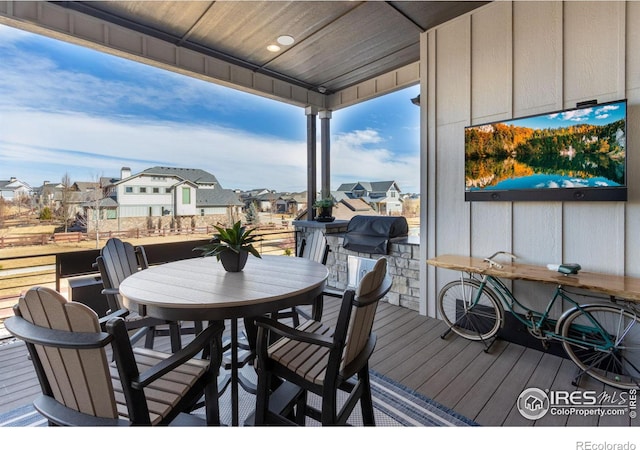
(19,273)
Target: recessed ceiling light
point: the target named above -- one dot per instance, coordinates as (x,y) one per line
(273,48)
(285,40)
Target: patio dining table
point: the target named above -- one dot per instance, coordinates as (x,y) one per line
(200,289)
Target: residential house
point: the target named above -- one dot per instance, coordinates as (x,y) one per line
(383,196)
(169,197)
(49,195)
(267,201)
(258,196)
(345,208)
(14,189)
(297,201)
(278,203)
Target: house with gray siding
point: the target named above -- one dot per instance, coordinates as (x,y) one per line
(382,196)
(170,197)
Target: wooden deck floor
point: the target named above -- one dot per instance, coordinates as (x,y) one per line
(455,372)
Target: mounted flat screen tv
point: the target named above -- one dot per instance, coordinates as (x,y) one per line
(573,154)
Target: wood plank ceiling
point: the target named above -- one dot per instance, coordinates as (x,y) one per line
(336,43)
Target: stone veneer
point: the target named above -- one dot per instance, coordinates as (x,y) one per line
(403,261)
(157,225)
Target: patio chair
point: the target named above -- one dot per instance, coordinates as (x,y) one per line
(117,261)
(313,247)
(81,384)
(322,360)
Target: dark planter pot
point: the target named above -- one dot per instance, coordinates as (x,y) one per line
(324,214)
(232,261)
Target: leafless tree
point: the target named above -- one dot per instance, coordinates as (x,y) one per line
(65,201)
(93,208)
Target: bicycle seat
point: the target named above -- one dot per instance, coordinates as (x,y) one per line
(569,269)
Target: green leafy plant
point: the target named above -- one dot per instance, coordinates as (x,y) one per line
(236,238)
(324,203)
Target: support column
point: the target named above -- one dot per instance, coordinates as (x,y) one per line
(311,112)
(325,153)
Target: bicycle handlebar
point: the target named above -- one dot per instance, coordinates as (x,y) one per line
(492,263)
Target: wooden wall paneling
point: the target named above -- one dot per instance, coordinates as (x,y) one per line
(537,57)
(632,216)
(594,66)
(537,239)
(594,233)
(491,62)
(453,66)
(537,88)
(491,94)
(452,100)
(594,236)
(452,218)
(632,46)
(632,79)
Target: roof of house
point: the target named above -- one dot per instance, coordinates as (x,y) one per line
(369,186)
(86,185)
(197,176)
(13,184)
(106,202)
(217,197)
(345,209)
(269,197)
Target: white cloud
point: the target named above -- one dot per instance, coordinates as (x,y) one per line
(577,115)
(237,158)
(361,156)
(88,146)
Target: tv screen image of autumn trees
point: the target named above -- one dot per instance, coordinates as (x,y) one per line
(508,156)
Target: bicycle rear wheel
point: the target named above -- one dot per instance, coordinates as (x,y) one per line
(604,341)
(472,317)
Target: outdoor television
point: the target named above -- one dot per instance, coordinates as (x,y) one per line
(573,154)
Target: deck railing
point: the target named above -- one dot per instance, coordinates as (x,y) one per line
(19,273)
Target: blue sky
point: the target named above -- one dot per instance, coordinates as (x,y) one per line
(68,109)
(594,115)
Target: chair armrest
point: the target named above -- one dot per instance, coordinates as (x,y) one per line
(213,331)
(292,333)
(65,416)
(111,315)
(110,291)
(38,335)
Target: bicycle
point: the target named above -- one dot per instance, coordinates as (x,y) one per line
(602,338)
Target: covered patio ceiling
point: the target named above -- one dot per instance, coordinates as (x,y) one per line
(337,46)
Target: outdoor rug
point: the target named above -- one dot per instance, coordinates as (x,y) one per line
(395,405)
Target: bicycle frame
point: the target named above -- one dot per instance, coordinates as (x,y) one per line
(537,321)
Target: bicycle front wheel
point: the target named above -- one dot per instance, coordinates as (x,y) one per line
(604,341)
(470,313)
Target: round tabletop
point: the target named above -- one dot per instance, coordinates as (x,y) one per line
(200,288)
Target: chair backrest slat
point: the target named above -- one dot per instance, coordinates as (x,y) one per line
(79,379)
(373,286)
(315,247)
(118,260)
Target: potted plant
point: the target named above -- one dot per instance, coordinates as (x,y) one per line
(325,208)
(231,246)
